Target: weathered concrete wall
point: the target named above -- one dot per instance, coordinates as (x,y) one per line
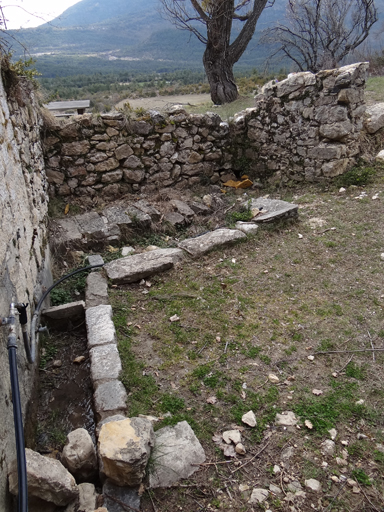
(24,253)
(303,128)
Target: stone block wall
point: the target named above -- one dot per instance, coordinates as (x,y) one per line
(303,128)
(306,127)
(24,252)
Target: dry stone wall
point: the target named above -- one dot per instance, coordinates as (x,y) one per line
(304,128)
(24,253)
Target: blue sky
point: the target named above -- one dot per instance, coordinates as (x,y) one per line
(31,13)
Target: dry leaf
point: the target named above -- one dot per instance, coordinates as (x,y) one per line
(113,249)
(138,326)
(308,424)
(66,209)
(211,400)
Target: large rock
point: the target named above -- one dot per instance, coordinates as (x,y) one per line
(47,479)
(274,208)
(124,449)
(100,328)
(374,118)
(86,502)
(139,266)
(113,494)
(212,240)
(79,455)
(176,449)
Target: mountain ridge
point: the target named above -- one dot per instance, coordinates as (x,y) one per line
(126,32)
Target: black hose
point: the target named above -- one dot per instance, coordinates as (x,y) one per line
(19,433)
(34,327)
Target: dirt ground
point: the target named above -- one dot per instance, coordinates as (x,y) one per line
(282,322)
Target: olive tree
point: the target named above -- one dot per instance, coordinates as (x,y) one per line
(319,34)
(211,21)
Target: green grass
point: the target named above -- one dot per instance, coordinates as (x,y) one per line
(336,405)
(359,175)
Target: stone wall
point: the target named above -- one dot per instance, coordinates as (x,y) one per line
(304,128)
(24,253)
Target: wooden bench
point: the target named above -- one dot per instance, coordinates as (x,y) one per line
(58,107)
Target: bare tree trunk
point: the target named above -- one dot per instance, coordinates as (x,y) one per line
(219,72)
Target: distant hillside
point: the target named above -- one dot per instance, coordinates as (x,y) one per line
(117,35)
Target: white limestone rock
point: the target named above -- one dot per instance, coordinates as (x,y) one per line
(47,479)
(124,448)
(176,449)
(79,455)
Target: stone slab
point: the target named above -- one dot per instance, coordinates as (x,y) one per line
(139,266)
(175,219)
(176,449)
(105,363)
(275,208)
(182,208)
(139,218)
(95,259)
(100,328)
(148,209)
(249,228)
(65,231)
(110,399)
(90,222)
(96,291)
(65,311)
(118,215)
(127,495)
(212,240)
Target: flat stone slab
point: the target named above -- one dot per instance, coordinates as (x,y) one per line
(275,209)
(249,228)
(127,495)
(64,311)
(105,363)
(139,266)
(139,218)
(145,207)
(182,208)
(95,259)
(118,215)
(96,291)
(176,449)
(90,223)
(100,328)
(110,399)
(209,241)
(66,232)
